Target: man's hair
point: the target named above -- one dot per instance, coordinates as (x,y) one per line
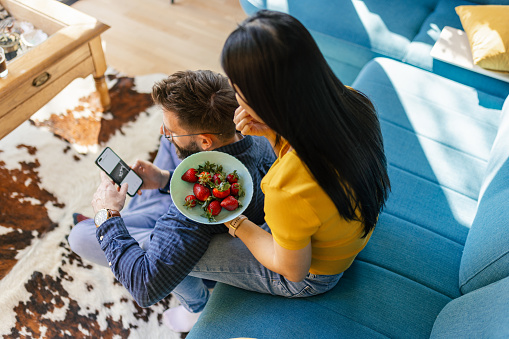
(202,100)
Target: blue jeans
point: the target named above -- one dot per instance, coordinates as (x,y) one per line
(140,216)
(229,261)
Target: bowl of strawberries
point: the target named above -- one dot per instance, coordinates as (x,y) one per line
(211,187)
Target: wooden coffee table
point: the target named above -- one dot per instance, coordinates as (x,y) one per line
(72,50)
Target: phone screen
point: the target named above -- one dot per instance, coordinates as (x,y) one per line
(118,171)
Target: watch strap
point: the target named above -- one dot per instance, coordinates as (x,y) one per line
(234,225)
(110,214)
(166,188)
(113,213)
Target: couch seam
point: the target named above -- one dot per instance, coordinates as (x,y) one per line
(428,138)
(400,90)
(378,52)
(344,316)
(432,182)
(424,228)
(484,267)
(406,277)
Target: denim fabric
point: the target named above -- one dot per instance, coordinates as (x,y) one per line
(175,243)
(486,256)
(483,313)
(237,313)
(367,302)
(228,260)
(140,215)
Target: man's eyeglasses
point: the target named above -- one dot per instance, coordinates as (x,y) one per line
(171,136)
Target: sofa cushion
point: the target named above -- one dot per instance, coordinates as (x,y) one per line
(483,313)
(350,33)
(488,34)
(411,251)
(486,255)
(367,302)
(369,23)
(437,136)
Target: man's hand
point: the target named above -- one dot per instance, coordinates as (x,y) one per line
(108,196)
(153,177)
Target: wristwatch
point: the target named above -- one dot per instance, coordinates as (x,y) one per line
(104,214)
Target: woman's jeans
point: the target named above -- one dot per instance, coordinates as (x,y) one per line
(229,261)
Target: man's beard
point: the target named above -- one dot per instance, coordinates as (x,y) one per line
(184,152)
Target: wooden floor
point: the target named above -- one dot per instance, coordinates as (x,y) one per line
(154,36)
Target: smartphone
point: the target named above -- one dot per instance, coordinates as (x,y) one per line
(118,171)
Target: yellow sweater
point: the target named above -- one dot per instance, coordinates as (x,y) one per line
(298,211)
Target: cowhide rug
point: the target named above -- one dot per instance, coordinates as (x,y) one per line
(47,172)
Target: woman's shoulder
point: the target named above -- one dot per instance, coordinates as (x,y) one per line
(290,174)
(290,182)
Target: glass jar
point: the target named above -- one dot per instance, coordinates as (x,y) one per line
(10,43)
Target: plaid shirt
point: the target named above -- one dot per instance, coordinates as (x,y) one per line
(176,242)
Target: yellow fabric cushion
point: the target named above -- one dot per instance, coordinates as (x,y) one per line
(487,29)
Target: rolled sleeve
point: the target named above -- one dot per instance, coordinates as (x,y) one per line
(291,219)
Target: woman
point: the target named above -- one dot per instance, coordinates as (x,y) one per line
(324,192)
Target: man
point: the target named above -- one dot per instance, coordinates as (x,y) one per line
(152,247)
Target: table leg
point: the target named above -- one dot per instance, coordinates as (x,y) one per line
(100,68)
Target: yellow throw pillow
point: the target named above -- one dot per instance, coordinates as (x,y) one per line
(487,29)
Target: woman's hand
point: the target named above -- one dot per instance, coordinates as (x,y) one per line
(153,177)
(247,125)
(292,264)
(108,195)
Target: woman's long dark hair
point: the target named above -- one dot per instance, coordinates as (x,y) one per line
(283,76)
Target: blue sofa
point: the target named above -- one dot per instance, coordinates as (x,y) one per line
(437,264)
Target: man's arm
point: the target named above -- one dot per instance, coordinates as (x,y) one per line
(176,245)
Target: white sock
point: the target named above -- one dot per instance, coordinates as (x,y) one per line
(178,319)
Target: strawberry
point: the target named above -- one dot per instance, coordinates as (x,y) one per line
(230,203)
(236,190)
(213,209)
(217,179)
(190,175)
(221,191)
(190,201)
(204,178)
(232,177)
(201,192)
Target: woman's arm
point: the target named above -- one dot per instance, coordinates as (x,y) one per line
(292,264)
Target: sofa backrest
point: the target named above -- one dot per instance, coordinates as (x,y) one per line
(486,254)
(484,313)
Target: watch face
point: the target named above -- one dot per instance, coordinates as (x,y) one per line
(101,217)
